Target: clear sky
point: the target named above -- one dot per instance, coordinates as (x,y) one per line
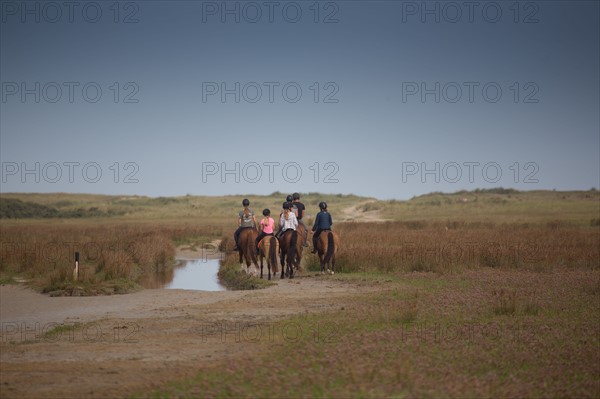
(389,99)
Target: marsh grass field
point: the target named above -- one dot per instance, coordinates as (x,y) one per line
(488,293)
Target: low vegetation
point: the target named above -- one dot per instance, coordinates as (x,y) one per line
(490,293)
(468,335)
(232,277)
(17,209)
(230,273)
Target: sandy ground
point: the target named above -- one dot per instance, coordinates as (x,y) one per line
(353,214)
(114,346)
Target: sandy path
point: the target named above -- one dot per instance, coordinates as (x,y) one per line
(22,305)
(139,341)
(352,214)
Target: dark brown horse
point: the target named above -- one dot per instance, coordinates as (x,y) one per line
(290,246)
(268,248)
(302,232)
(327,247)
(247,249)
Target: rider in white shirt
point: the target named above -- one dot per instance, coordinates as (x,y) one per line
(288,219)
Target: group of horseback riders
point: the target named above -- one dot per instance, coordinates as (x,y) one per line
(290,217)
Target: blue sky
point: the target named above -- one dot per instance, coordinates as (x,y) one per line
(389,99)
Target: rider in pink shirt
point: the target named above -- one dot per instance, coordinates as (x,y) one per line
(266,227)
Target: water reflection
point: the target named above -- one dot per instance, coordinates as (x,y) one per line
(200,274)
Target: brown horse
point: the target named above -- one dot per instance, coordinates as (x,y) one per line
(290,246)
(247,249)
(327,247)
(268,247)
(302,232)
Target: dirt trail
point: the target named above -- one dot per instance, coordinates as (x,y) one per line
(126,343)
(354,213)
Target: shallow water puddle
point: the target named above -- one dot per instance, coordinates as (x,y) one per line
(199,274)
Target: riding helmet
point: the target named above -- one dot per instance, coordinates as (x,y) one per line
(245,202)
(286,205)
(296,196)
(266,212)
(289,198)
(322,205)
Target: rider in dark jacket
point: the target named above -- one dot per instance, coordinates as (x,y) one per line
(323,221)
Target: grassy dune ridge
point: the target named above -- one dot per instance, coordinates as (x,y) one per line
(494,205)
(581,208)
(206,208)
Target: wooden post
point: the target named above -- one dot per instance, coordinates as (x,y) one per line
(76,270)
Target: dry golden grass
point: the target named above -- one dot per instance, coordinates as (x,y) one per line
(44,254)
(394,247)
(536,230)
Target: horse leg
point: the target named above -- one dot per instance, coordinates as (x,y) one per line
(333,264)
(291,267)
(282,258)
(248,264)
(275,268)
(298,258)
(261,268)
(241,260)
(287,264)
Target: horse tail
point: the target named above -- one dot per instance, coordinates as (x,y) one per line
(330,247)
(293,242)
(273,253)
